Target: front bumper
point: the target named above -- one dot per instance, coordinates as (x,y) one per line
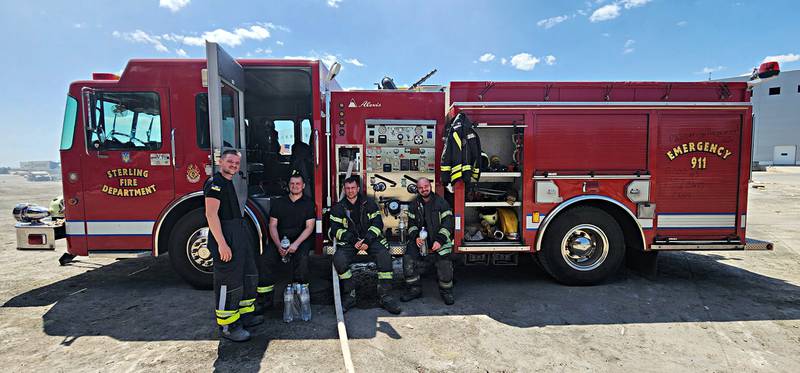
(39,236)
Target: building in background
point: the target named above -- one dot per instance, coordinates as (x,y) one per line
(776,111)
(48,166)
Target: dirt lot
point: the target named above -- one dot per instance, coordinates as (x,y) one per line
(718,311)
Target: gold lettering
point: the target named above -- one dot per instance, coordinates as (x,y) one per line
(145,173)
(677,151)
(670,155)
(720,151)
(691,146)
(685,148)
(705,146)
(727,154)
(713,148)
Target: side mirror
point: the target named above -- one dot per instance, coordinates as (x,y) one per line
(335,68)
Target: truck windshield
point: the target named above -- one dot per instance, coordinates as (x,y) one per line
(68,127)
(126,120)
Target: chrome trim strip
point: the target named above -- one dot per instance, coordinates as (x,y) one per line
(420,122)
(120,254)
(599,103)
(727,246)
(119,228)
(552,214)
(710,221)
(253,218)
(589,177)
(166,213)
(470,249)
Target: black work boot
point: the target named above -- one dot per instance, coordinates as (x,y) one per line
(412,292)
(264,303)
(252,319)
(387,301)
(447,296)
(348,294)
(234,332)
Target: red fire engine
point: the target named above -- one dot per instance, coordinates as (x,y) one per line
(578,174)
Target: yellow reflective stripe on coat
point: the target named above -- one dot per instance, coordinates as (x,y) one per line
(372,215)
(375,230)
(384,275)
(411,215)
(445,233)
(444,168)
(455,175)
(412,228)
(226,317)
(340,232)
(457,138)
(338,220)
(346,275)
(445,213)
(265,289)
(456,168)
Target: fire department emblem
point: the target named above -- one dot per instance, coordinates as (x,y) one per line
(192,174)
(352,103)
(126,157)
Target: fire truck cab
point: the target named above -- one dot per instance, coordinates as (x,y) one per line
(578,174)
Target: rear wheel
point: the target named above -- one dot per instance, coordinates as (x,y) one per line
(583,246)
(188,250)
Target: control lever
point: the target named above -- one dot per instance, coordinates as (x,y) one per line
(390,181)
(411,188)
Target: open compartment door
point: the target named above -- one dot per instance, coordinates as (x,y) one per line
(226,87)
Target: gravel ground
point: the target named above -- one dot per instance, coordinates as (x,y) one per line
(711,311)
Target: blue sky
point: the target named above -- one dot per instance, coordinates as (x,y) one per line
(50,43)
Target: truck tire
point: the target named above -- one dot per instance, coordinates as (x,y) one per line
(188,251)
(583,246)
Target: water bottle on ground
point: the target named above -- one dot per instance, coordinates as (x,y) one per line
(423,235)
(285,245)
(305,303)
(288,296)
(296,301)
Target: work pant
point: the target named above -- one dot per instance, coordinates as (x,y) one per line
(270,260)
(444,265)
(235,280)
(379,251)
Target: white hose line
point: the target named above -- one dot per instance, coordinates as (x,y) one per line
(337,302)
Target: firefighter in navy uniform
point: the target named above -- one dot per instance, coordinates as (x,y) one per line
(356,225)
(231,244)
(432,212)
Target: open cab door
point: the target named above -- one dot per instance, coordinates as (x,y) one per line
(226,87)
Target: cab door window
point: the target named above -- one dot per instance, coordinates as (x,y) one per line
(125,121)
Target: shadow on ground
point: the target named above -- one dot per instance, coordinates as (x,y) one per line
(143,300)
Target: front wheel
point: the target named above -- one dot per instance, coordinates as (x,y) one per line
(188,250)
(583,246)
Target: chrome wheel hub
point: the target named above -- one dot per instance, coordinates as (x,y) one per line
(198,252)
(584,247)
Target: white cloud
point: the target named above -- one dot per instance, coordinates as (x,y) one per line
(279,42)
(328,59)
(79,25)
(605,34)
(262,51)
(552,21)
(354,61)
(605,13)
(709,70)
(550,60)
(628,47)
(181,53)
(503,61)
(628,4)
(173,5)
(140,36)
(334,3)
(225,37)
(524,61)
(783,58)
(486,57)
(355,89)
(682,23)
(300,58)
(273,26)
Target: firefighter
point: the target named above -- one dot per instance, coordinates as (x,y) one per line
(231,245)
(356,225)
(292,217)
(432,212)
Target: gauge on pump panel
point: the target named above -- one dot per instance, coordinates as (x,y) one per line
(382,129)
(418,130)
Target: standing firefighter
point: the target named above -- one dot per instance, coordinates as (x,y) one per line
(356,225)
(232,247)
(431,212)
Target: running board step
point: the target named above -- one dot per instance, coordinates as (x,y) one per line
(749,245)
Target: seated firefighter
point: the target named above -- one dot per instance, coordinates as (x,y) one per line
(431,212)
(356,225)
(292,217)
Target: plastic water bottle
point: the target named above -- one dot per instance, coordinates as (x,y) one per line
(285,245)
(296,301)
(288,298)
(423,235)
(305,303)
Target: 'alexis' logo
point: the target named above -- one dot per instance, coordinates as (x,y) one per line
(364,104)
